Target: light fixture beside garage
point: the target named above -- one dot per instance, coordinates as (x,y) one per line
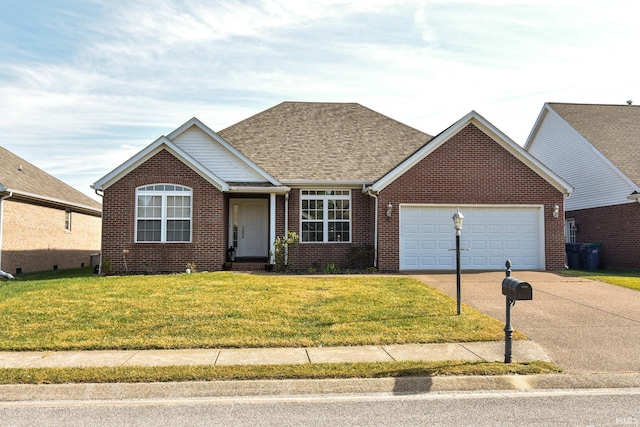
(556,211)
(457,222)
(389,210)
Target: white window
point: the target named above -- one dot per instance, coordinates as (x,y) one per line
(570,231)
(163,213)
(67,220)
(325,216)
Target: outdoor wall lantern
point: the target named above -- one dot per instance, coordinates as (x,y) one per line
(389,210)
(457,225)
(556,211)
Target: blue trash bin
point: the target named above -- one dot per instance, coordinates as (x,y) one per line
(574,256)
(591,252)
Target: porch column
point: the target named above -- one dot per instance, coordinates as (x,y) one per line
(272,226)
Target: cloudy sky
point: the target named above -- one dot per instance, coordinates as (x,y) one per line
(85,84)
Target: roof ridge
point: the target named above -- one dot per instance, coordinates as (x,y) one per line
(592,105)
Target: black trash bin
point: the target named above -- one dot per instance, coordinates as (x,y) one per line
(574,257)
(591,254)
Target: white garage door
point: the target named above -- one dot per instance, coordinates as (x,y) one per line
(493,235)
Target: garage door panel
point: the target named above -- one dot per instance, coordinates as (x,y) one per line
(495,245)
(411,261)
(411,245)
(494,229)
(428,244)
(493,234)
(410,228)
(427,229)
(477,228)
(512,229)
(512,244)
(443,245)
(477,245)
(428,261)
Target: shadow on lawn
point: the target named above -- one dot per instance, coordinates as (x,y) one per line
(56,274)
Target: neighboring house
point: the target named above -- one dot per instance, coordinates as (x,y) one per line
(359,188)
(44,223)
(597,149)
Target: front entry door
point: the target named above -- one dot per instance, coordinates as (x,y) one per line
(249,232)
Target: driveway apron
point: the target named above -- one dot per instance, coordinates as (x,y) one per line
(583,325)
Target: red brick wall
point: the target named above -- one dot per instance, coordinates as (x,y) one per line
(470,168)
(318,255)
(616,229)
(34,237)
(209,236)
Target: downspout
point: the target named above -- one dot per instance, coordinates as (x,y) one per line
(272,227)
(375,230)
(286,226)
(2,199)
(100,260)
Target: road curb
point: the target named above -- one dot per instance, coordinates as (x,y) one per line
(282,388)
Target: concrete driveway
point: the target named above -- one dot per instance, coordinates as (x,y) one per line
(584,326)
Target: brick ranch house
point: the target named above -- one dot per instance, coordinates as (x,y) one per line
(359,188)
(45,224)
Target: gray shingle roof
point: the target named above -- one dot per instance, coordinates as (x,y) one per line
(20,176)
(612,129)
(324,141)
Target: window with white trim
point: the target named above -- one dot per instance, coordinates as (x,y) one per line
(67,220)
(325,216)
(163,213)
(570,231)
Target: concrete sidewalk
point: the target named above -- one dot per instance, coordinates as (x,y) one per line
(523,351)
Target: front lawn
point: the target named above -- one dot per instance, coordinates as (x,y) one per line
(626,278)
(219,310)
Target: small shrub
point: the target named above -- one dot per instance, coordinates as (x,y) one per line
(190,267)
(331,268)
(361,257)
(148,267)
(282,248)
(106,268)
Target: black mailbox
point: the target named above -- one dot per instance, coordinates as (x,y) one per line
(516,289)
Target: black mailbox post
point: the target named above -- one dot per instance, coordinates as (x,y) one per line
(513,290)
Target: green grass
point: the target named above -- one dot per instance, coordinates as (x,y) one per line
(78,310)
(268,372)
(626,278)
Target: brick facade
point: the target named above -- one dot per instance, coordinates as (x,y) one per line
(615,228)
(470,168)
(209,237)
(34,237)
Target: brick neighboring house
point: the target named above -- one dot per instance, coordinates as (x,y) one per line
(597,149)
(44,223)
(359,188)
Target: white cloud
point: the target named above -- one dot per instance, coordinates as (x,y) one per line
(132,71)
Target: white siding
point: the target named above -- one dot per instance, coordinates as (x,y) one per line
(562,149)
(215,157)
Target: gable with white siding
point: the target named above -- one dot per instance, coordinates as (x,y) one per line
(560,147)
(215,157)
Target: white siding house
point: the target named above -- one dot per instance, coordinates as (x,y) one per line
(596,148)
